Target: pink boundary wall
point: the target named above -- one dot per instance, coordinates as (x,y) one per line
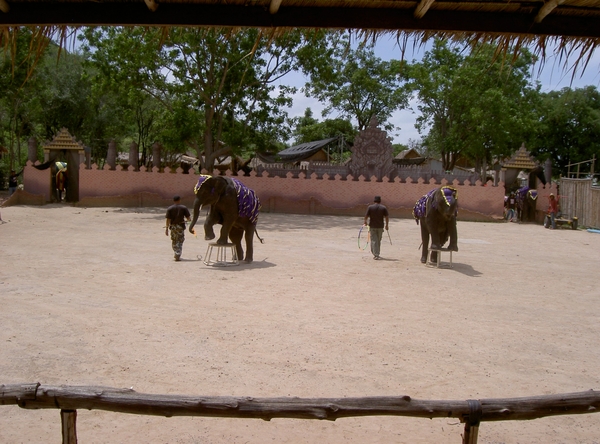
(302,195)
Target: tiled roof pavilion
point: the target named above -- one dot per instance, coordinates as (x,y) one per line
(521,160)
(63,141)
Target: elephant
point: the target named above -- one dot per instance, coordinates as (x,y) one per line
(526,200)
(232,205)
(436,211)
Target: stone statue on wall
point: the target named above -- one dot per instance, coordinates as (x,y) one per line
(372,153)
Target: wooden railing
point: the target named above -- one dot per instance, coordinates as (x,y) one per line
(471,412)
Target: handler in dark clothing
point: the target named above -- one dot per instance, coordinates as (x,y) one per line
(175,221)
(13,181)
(376,212)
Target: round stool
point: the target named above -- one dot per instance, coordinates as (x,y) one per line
(221,255)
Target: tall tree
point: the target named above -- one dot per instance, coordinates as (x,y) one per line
(17,101)
(358,84)
(308,129)
(64,96)
(222,80)
(473,106)
(569,130)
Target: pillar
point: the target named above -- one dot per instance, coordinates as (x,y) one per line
(88,157)
(134,156)
(111,156)
(32,150)
(548,171)
(156,155)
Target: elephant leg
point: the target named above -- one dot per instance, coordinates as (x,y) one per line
(210,221)
(425,240)
(236,234)
(436,238)
(453,246)
(225,231)
(249,236)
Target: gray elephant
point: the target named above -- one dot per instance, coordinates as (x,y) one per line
(234,206)
(526,201)
(436,212)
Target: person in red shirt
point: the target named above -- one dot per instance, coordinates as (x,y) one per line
(552,209)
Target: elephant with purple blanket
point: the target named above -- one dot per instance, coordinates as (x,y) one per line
(233,205)
(436,211)
(526,199)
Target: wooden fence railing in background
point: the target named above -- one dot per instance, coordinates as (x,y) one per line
(578,198)
(471,412)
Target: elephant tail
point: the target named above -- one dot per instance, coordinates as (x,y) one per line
(262,241)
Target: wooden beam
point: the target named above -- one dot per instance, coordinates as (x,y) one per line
(274,6)
(422,8)
(190,14)
(70,398)
(4,7)
(547,9)
(152,5)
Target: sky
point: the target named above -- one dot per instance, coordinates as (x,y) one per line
(552,77)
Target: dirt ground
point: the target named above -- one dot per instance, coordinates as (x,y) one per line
(92,296)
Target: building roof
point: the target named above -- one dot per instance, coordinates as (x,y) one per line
(521,160)
(63,141)
(304,150)
(408,157)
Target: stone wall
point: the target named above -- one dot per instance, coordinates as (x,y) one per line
(301,195)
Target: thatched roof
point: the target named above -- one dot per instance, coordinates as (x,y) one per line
(564,25)
(577,18)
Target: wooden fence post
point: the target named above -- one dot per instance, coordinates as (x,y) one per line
(68,418)
(472,422)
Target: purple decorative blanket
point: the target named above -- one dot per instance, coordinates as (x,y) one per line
(420,209)
(522,193)
(248,203)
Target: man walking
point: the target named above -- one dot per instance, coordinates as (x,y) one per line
(175,221)
(376,213)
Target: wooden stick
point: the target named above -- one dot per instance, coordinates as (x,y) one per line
(129,401)
(68,418)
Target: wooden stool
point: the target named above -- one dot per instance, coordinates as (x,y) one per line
(437,264)
(221,260)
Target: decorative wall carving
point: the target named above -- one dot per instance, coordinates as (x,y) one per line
(372,153)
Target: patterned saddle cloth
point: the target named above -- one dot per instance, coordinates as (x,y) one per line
(420,208)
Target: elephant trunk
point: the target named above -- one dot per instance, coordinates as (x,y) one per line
(195,215)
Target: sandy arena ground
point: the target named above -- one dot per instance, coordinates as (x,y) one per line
(92,296)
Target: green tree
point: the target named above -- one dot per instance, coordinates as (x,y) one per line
(308,129)
(63,93)
(218,84)
(473,106)
(357,84)
(17,101)
(569,130)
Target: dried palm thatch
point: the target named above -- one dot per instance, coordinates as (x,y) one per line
(568,28)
